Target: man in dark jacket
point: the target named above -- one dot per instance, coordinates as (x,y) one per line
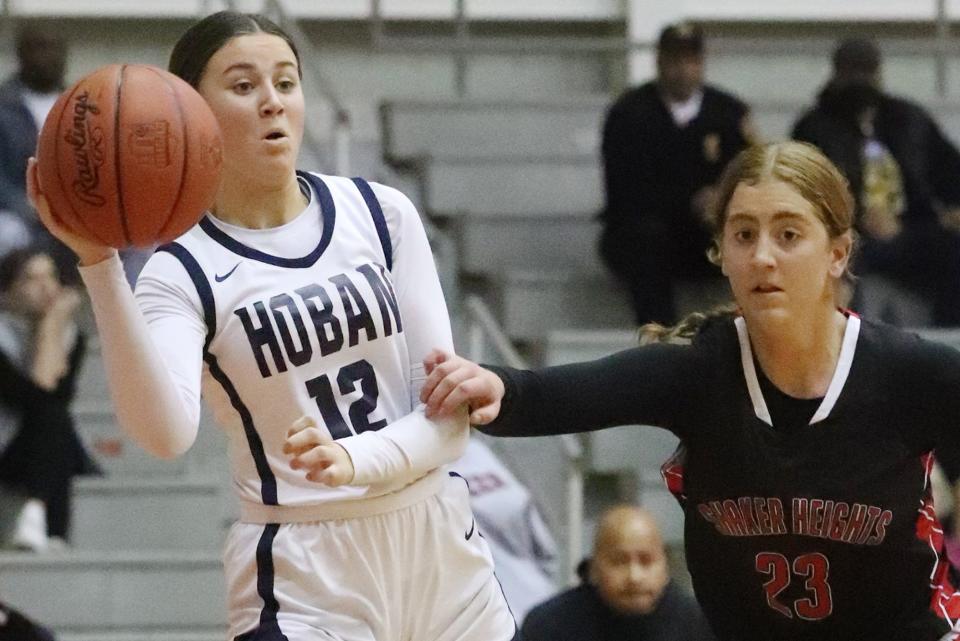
(904,174)
(626,594)
(664,146)
(25,99)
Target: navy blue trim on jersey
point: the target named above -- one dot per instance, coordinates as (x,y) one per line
(376,212)
(269,627)
(327,210)
(268,482)
(200,282)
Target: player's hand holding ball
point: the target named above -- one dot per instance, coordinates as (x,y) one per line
(314,450)
(453,381)
(129,156)
(87,251)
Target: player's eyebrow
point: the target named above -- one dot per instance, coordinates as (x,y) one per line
(248,66)
(780,215)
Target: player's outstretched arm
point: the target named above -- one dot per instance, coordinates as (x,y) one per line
(151,409)
(453,381)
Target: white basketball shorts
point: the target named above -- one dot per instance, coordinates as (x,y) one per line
(418,573)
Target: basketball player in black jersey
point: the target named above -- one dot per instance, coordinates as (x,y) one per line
(807,433)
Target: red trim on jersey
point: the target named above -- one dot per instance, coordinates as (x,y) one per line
(672,472)
(944,596)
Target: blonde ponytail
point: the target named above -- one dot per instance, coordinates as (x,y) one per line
(687,328)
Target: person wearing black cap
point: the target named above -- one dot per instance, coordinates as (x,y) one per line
(664,145)
(904,174)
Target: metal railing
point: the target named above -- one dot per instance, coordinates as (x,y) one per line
(463,43)
(538,462)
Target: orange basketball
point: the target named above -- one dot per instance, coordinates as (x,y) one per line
(130,156)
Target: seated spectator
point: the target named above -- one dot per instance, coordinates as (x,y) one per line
(14,626)
(626,594)
(40,354)
(665,144)
(524,552)
(904,172)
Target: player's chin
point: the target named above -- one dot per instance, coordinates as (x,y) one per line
(770,307)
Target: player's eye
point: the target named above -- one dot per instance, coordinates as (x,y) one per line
(286,85)
(243,87)
(790,235)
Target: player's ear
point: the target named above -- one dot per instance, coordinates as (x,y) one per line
(840,249)
(719,260)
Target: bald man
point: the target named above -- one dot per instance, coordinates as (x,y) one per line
(627,594)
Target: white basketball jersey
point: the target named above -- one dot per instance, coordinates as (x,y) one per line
(318,335)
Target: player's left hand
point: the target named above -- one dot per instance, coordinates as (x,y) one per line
(312,449)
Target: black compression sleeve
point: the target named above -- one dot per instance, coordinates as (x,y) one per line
(647,386)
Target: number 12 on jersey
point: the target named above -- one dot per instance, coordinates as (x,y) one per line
(321,389)
(814,568)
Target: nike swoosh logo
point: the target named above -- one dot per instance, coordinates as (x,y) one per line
(220,278)
(473,526)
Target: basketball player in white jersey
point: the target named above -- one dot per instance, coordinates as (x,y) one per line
(301,306)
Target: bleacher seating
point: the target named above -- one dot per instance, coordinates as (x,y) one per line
(113,593)
(157,514)
(485,128)
(519,182)
(144,559)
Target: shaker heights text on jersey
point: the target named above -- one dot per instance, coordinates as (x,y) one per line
(855,523)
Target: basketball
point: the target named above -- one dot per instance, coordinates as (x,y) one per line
(130,155)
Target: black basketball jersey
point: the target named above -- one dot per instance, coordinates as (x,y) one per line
(820,531)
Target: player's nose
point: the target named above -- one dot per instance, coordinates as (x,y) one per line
(270,103)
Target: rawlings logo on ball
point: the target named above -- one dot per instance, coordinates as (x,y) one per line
(141,161)
(152,144)
(87,143)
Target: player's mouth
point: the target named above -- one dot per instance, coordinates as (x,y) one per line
(275,134)
(766,289)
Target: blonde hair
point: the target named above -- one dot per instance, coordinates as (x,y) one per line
(798,164)
(688,327)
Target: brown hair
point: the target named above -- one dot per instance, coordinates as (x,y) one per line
(800,165)
(201,41)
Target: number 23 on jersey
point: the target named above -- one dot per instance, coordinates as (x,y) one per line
(812,568)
